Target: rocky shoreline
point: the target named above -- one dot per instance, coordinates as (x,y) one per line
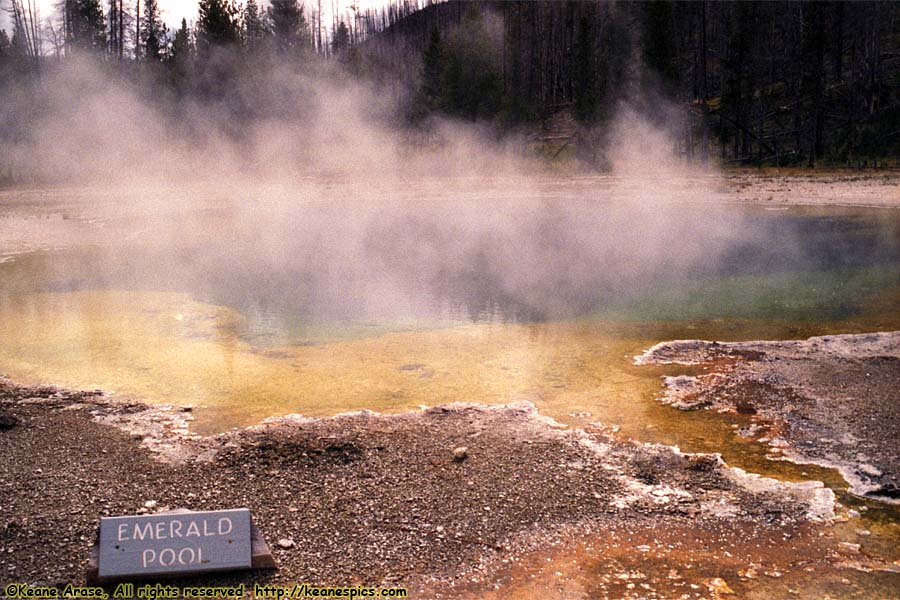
(830,400)
(802,187)
(439,500)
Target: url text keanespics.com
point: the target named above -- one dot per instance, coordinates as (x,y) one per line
(22,591)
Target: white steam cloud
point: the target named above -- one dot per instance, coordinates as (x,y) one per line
(299,191)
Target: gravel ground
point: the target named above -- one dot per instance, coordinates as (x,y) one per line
(804,187)
(829,400)
(363,498)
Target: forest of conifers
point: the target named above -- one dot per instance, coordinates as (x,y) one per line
(786,83)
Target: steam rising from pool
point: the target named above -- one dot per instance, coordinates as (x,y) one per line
(299,197)
(318,202)
(324,259)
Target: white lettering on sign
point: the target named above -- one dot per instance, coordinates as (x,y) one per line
(172,529)
(175,542)
(167,557)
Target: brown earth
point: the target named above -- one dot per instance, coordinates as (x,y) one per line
(829,400)
(374,499)
(791,187)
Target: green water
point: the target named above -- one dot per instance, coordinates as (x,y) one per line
(803,296)
(246,317)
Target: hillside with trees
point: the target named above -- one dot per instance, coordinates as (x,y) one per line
(777,83)
(789,83)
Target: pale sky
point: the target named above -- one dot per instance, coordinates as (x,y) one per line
(174,10)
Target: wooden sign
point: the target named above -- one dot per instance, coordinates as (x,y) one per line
(179,542)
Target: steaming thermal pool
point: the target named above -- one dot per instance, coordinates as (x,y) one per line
(249,306)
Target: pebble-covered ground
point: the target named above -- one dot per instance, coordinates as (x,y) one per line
(847,187)
(443,501)
(830,400)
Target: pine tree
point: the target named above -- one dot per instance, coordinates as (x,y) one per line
(153,35)
(112,17)
(180,57)
(433,71)
(341,40)
(7,54)
(658,43)
(217,24)
(472,80)
(86,27)
(18,46)
(288,25)
(254,26)
(181,45)
(116,18)
(585,73)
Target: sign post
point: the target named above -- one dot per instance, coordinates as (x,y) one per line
(177,543)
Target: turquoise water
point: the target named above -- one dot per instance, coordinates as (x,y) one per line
(247,311)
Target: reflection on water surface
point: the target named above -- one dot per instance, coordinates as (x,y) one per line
(251,311)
